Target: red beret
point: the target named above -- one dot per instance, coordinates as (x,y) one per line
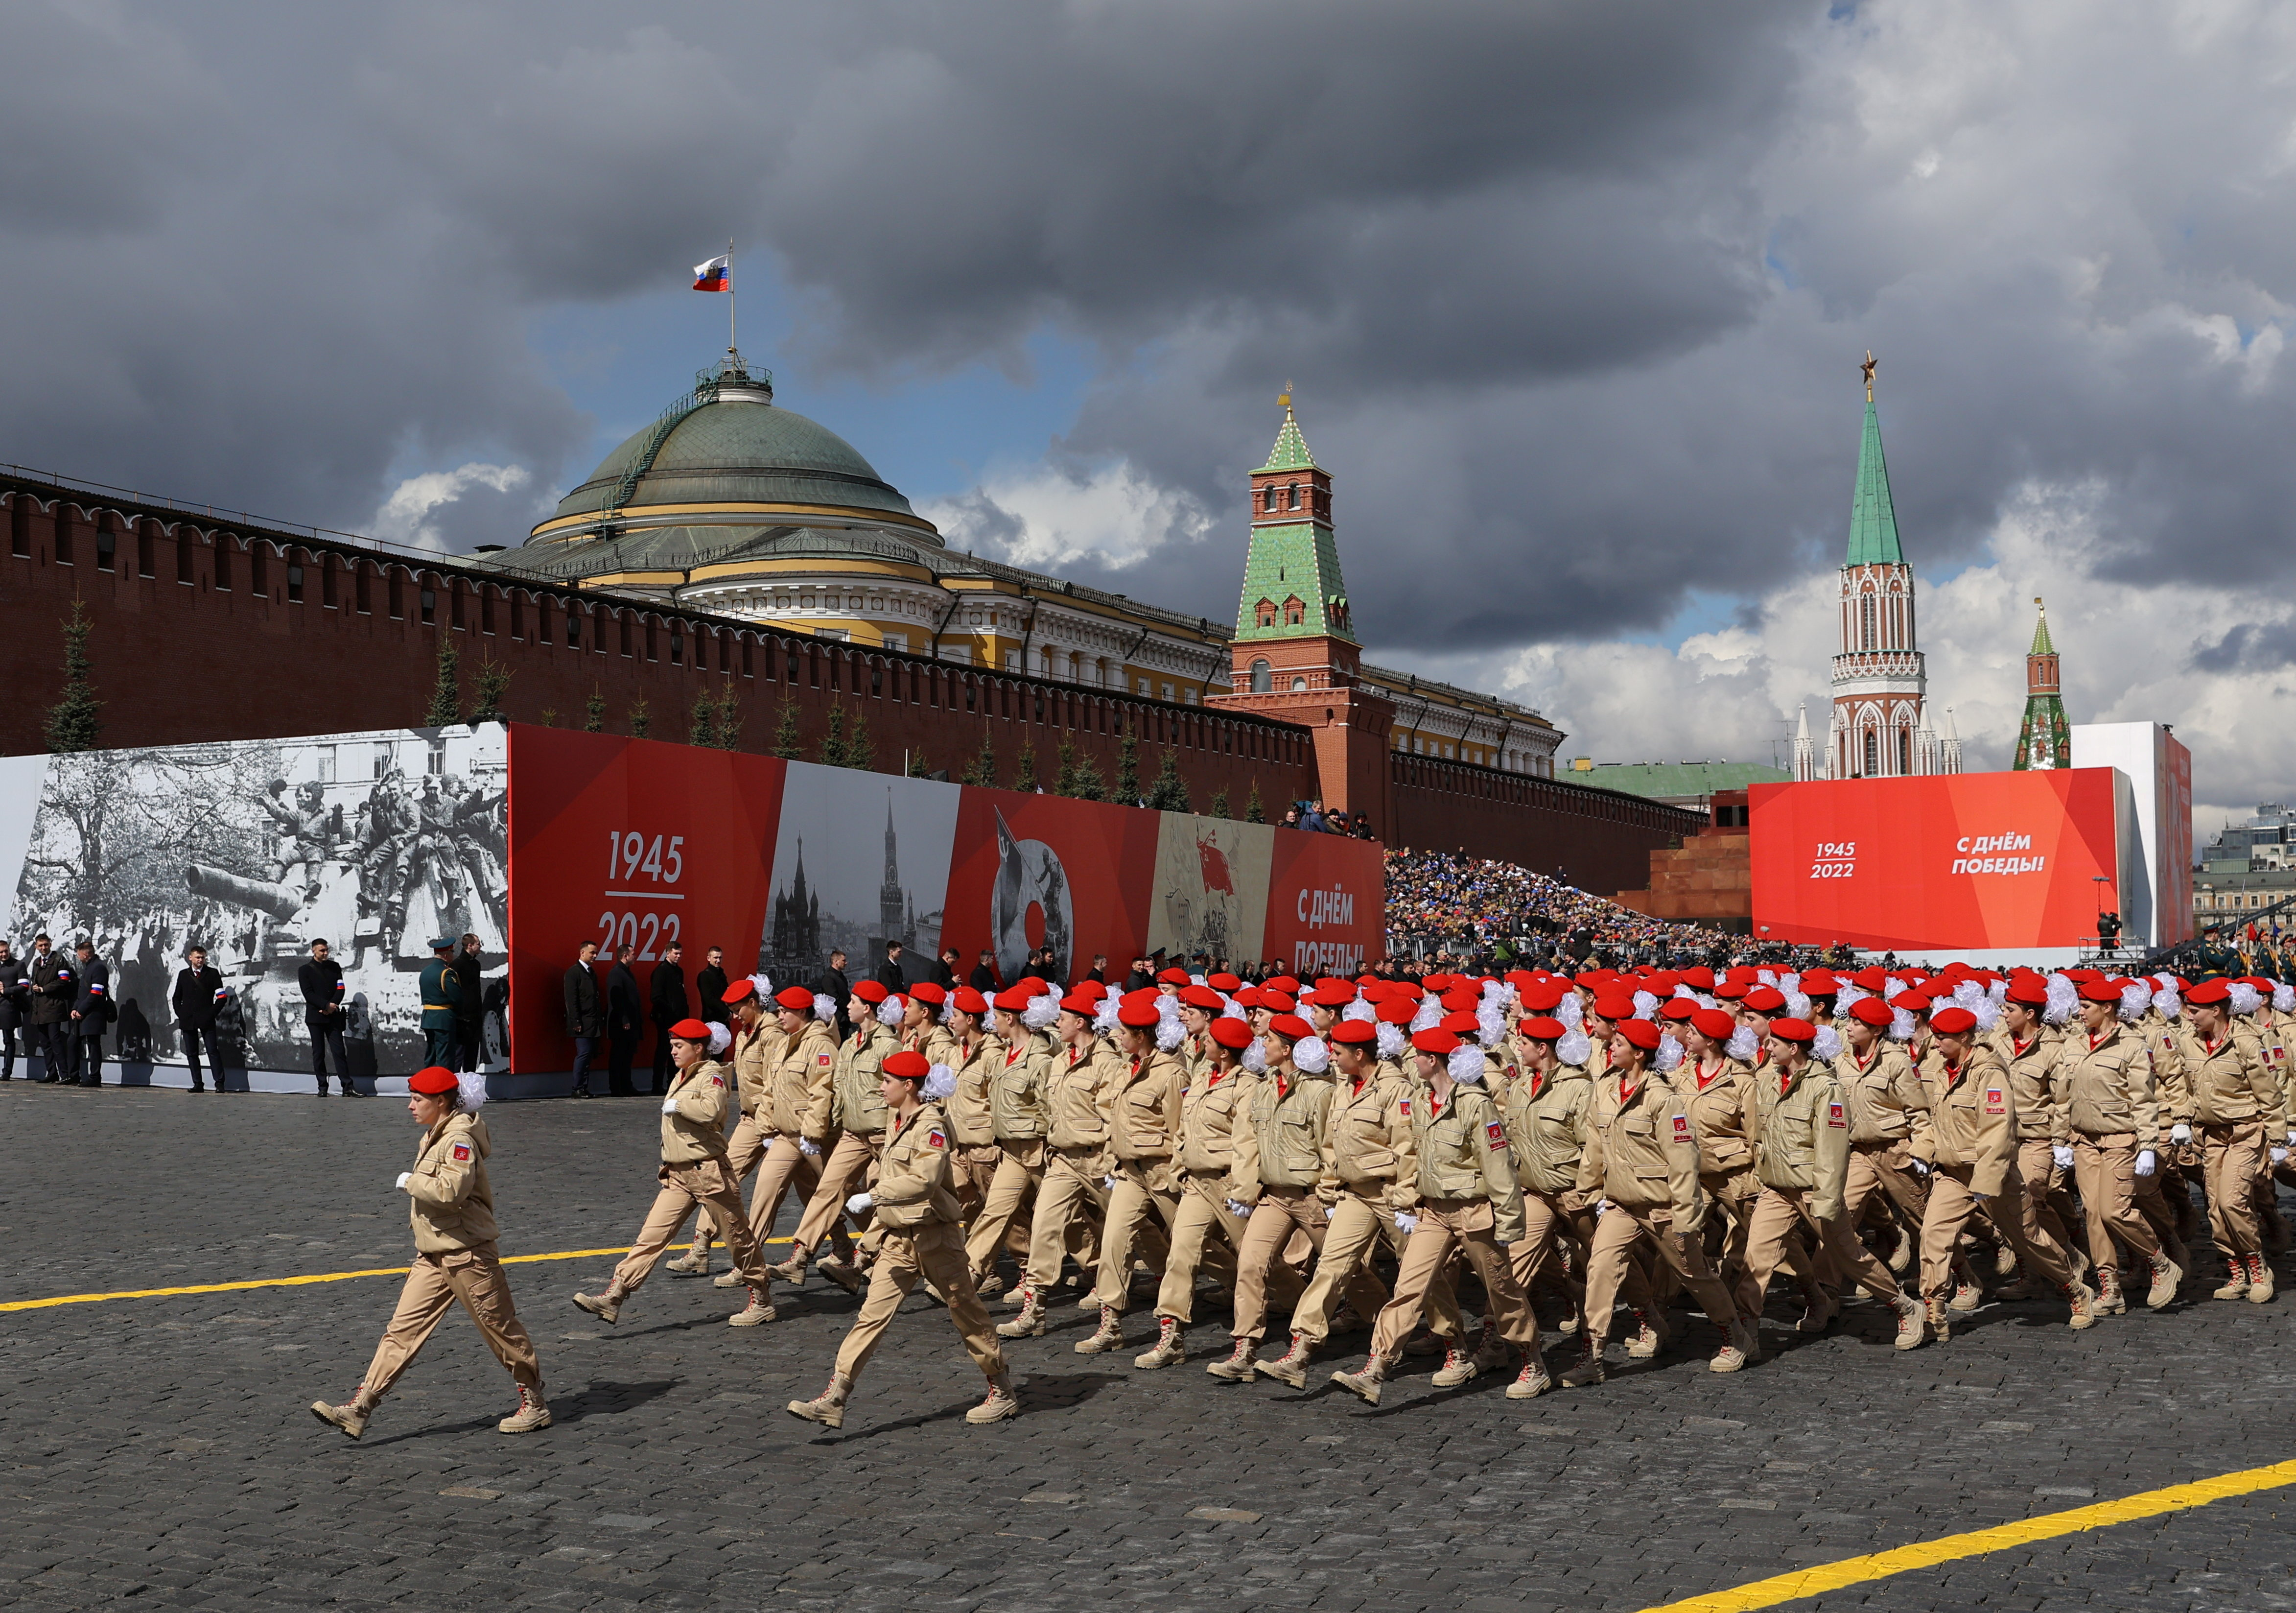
(1615,1008)
(1714,1025)
(1338,994)
(1246,997)
(1730,990)
(1868,979)
(1461,1024)
(1094,989)
(1291,1025)
(741,990)
(1819,982)
(2210,990)
(1080,1005)
(1543,997)
(1700,979)
(690,1030)
(1683,1007)
(1397,1010)
(1286,983)
(1138,1016)
(1032,985)
(930,992)
(433,1082)
(1356,1032)
(907,1064)
(1912,1002)
(1436,1041)
(1788,1029)
(1223,981)
(1202,996)
(1765,999)
(796,999)
(1275,1001)
(1435,982)
(871,990)
(1232,1033)
(2099,990)
(1539,1028)
(1953,1022)
(1173,977)
(1015,1000)
(1461,1001)
(2032,993)
(1872,1011)
(969,1002)
(1641,1033)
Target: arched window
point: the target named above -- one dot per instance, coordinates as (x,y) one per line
(1292,496)
(1295,612)
(1872,753)
(1866,620)
(1263,677)
(1905,753)
(1299,684)
(1268,502)
(1264,612)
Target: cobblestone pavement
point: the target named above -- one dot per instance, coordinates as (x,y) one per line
(159,1449)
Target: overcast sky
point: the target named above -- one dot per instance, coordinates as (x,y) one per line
(1573,296)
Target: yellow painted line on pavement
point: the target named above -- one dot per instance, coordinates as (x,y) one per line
(1802,1583)
(296,1282)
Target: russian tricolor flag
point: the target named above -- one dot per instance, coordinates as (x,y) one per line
(715,275)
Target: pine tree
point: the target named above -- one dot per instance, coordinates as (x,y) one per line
(1127,767)
(447,693)
(1219,804)
(74,723)
(1064,774)
(1169,792)
(494,683)
(1253,812)
(833,743)
(641,719)
(1024,771)
(982,769)
(593,713)
(786,742)
(550,716)
(917,767)
(860,749)
(1089,785)
(729,722)
(701,728)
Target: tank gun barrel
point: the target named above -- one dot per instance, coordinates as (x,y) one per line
(276,899)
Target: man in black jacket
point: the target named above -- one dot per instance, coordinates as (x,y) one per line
(891,973)
(470,1008)
(984,976)
(91,1015)
(667,989)
(709,985)
(832,986)
(945,972)
(585,1013)
(54,983)
(16,996)
(321,978)
(198,989)
(625,1014)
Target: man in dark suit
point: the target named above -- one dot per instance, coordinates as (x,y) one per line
(321,978)
(984,976)
(668,989)
(16,996)
(1099,970)
(945,972)
(54,983)
(585,1013)
(833,986)
(198,989)
(470,1006)
(891,973)
(625,1014)
(91,1015)
(709,985)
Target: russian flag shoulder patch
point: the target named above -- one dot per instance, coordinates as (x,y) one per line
(1836,1118)
(462,1152)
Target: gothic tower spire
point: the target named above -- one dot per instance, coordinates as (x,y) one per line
(2044,739)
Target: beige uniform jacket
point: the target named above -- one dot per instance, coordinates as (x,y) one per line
(1143,1115)
(1801,1135)
(2036,1081)
(969,1106)
(1463,1156)
(1547,1127)
(1718,1102)
(1017,1079)
(450,1204)
(934,1041)
(912,1189)
(1214,1112)
(1640,1152)
(1194,1054)
(2271,1051)
(755,1054)
(1973,1111)
(1883,1092)
(1076,1107)
(803,1083)
(693,1123)
(2109,1086)
(1283,1144)
(856,1101)
(1371,1146)
(2226,1084)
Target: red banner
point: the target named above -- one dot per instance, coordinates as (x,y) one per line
(1968,861)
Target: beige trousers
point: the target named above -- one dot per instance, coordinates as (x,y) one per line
(434,1283)
(1952,1204)
(1281,1213)
(1610,1254)
(850,1164)
(1071,1190)
(1201,1212)
(1019,1169)
(937,1253)
(1354,1230)
(685,1188)
(2232,1157)
(2105,1168)
(1776,1214)
(1445,1224)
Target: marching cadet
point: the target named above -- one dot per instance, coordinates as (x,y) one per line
(757,1046)
(1546,1114)
(856,1116)
(2235,1107)
(1215,1110)
(1970,1147)
(1717,1094)
(1886,1115)
(1371,1172)
(452,1209)
(2110,1111)
(1801,1153)
(973,1053)
(2030,1049)
(801,1092)
(921,1028)
(1643,1156)
(1466,1198)
(1016,1104)
(694,1171)
(1144,1131)
(914,1234)
(1077,1160)
(1199,1005)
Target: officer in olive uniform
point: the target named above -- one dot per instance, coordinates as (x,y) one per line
(442,995)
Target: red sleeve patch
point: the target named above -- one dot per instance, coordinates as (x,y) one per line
(1682,1128)
(1836,1118)
(1405,1105)
(1496,1132)
(935,1140)
(462,1152)
(823,1060)
(1997,1101)
(717,1081)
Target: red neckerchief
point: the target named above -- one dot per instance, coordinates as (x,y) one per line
(1785,1082)
(1212,1077)
(1356,1090)
(1627,1094)
(2209,1048)
(1952,1076)
(1135,1065)
(1706,1081)
(2095,1041)
(1537,1085)
(1075,1054)
(1869,1061)
(1282,1091)
(1014,1051)
(2017,1048)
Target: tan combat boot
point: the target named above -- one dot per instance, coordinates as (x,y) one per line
(1530,1378)
(1590,1370)
(1167,1352)
(2109,1300)
(1742,1349)
(350,1416)
(1460,1365)
(533,1412)
(1651,1336)
(1110,1336)
(2235,1281)
(2084,1304)
(606,1306)
(1291,1367)
(790,1271)
(1939,1318)
(758,1312)
(990,1286)
(2259,1280)
(1001,1404)
(1366,1382)
(1030,1322)
(1967,1296)
(844,1274)
(2167,1277)
(828,1407)
(1236,1368)
(1913,1323)
(1819,1316)
(696,1263)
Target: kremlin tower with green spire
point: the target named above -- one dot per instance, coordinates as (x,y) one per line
(2044,739)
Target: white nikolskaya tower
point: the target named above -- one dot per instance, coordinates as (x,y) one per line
(1881,683)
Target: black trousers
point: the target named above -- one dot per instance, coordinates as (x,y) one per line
(470,1045)
(193,1035)
(8,1053)
(621,1051)
(661,1055)
(87,1058)
(46,1042)
(323,1037)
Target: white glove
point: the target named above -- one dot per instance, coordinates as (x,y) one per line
(1405,1222)
(806,1145)
(1921,1166)
(1109,1183)
(1602,1207)
(669,1106)
(2279,1155)
(1237,1207)
(2147,1160)
(859,1203)
(1979,1197)
(403,1178)
(2180,1132)
(1330,1210)
(2063,1155)
(2291,1139)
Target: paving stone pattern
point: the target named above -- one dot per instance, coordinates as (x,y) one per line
(158,1450)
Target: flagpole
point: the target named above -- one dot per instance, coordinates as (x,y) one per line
(732,346)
